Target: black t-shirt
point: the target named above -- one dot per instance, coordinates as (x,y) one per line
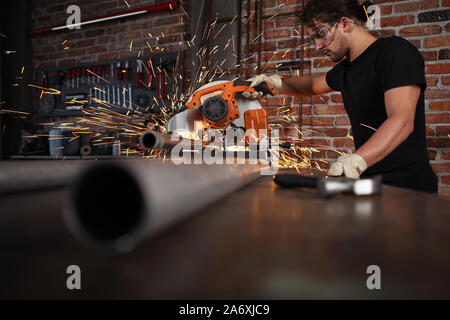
(386,64)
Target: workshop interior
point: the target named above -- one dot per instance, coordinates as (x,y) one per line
(134,165)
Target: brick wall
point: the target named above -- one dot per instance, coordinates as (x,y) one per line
(164,32)
(325,125)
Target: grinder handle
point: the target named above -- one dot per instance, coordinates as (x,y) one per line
(295,180)
(263,87)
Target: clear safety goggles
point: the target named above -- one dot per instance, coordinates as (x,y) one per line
(323,35)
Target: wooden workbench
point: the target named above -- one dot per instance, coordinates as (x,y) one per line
(261,242)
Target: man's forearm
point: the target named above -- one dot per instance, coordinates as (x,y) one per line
(388,137)
(305,85)
(298,86)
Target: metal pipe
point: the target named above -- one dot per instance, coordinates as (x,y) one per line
(112,206)
(155,140)
(20,176)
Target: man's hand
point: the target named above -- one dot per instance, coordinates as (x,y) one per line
(351,165)
(273,80)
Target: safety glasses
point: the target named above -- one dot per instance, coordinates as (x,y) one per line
(323,35)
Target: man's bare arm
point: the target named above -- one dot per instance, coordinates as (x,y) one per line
(401,108)
(305,85)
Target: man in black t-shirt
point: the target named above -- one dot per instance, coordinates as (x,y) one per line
(382,83)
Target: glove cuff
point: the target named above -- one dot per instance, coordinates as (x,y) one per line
(362,164)
(277,81)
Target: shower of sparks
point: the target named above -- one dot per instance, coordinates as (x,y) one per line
(273,16)
(106,122)
(46,90)
(259,35)
(96,75)
(13,111)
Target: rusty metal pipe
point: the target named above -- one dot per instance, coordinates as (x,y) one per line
(112,206)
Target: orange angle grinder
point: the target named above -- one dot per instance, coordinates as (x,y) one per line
(219,105)
(219,111)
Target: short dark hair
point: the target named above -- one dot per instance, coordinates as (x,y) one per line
(330,11)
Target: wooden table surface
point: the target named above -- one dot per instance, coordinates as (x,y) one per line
(261,242)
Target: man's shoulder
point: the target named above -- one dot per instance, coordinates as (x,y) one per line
(397,43)
(398,49)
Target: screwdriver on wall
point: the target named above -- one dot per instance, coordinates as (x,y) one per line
(118,71)
(138,73)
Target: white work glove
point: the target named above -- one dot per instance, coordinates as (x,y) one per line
(351,165)
(273,80)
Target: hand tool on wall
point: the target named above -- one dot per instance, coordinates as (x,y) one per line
(67,77)
(74,74)
(160,78)
(90,95)
(111,71)
(83,74)
(138,73)
(113,88)
(328,186)
(60,75)
(149,74)
(118,71)
(44,79)
(104,71)
(124,97)
(109,94)
(88,75)
(92,74)
(78,77)
(130,97)
(99,71)
(118,96)
(126,71)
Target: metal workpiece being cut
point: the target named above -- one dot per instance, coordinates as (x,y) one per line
(112,206)
(155,140)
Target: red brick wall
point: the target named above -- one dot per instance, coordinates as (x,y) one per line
(106,40)
(424,23)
